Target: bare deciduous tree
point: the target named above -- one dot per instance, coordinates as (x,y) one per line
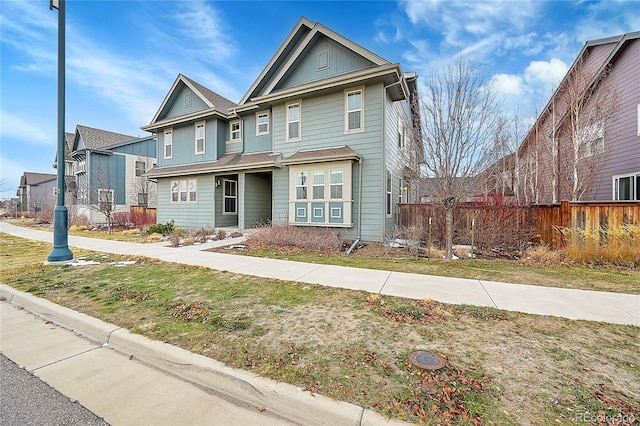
(100,191)
(142,189)
(460,121)
(589,105)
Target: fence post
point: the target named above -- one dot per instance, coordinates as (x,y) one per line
(565,213)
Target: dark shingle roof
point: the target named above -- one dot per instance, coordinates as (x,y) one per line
(318,155)
(219,102)
(29,178)
(96,138)
(226,163)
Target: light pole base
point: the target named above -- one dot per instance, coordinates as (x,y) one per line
(60,250)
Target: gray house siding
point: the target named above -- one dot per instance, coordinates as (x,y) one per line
(144,148)
(187,215)
(108,172)
(252,142)
(257,199)
(622,142)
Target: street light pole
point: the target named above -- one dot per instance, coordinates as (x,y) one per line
(60,250)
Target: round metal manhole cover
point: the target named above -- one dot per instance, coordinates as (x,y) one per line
(427,360)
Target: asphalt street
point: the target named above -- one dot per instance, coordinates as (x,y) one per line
(26,400)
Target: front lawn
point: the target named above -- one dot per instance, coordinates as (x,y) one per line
(502,367)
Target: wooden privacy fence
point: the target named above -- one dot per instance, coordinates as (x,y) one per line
(515,226)
(141,215)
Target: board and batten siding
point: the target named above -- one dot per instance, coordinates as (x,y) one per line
(186,102)
(326,58)
(187,215)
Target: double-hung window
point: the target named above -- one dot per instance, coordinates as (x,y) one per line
(320,194)
(230,197)
(168,143)
(184,191)
(140,167)
(302,179)
(200,139)
(293,120)
(353,111)
(236,130)
(262,123)
(105,199)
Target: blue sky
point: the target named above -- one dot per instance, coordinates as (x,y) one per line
(123,56)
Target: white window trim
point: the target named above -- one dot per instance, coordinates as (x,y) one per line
(239,138)
(225,196)
(635,182)
(346,109)
(135,167)
(111,196)
(187,191)
(638,119)
(261,113)
(164,141)
(204,137)
(286,107)
(346,201)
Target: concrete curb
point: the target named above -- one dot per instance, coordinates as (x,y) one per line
(288,401)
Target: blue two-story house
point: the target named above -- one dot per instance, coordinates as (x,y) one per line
(326,137)
(110,168)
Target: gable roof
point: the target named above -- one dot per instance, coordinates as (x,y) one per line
(29,178)
(216,103)
(96,138)
(299,41)
(618,44)
(68,148)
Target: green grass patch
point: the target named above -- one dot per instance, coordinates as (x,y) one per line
(502,367)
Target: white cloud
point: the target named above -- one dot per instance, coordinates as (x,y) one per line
(545,76)
(14,126)
(507,84)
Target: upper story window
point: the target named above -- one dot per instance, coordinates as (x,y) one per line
(262,123)
(293,120)
(627,187)
(141,167)
(353,111)
(591,140)
(236,130)
(200,144)
(168,143)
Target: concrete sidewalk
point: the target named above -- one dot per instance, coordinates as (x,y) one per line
(614,308)
(127,379)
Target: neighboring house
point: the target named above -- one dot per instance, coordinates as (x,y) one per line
(36,192)
(109,171)
(585,145)
(324,137)
(71,189)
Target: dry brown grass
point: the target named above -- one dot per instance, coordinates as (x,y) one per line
(308,238)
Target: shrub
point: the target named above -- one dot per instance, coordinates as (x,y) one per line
(120,219)
(322,240)
(142,217)
(161,228)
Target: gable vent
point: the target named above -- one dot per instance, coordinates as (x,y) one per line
(323,60)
